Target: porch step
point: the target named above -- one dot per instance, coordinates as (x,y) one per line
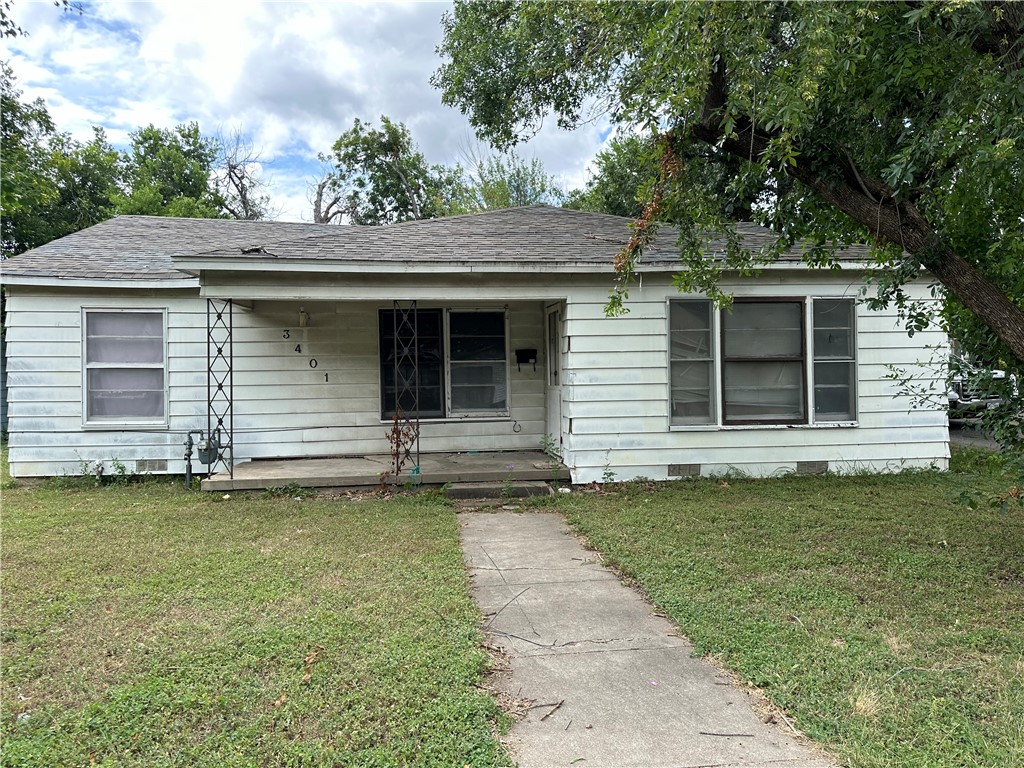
(510,490)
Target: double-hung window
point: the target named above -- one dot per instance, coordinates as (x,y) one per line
(754,363)
(451,363)
(835,363)
(124,373)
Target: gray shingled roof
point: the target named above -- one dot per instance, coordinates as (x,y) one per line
(141,247)
(144,247)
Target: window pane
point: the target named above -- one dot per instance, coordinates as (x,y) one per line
(763,391)
(478,387)
(125,324)
(126,393)
(109,349)
(833,391)
(477,335)
(690,315)
(691,393)
(690,324)
(833,313)
(124,337)
(763,329)
(833,342)
(478,347)
(477,323)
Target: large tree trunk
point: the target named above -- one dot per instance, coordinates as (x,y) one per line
(870,202)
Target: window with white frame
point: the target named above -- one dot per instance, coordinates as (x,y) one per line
(124,366)
(692,354)
(763,378)
(835,362)
(460,364)
(760,370)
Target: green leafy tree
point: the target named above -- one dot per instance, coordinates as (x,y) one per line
(509,181)
(628,169)
(381,177)
(900,124)
(168,173)
(623,172)
(51,184)
(26,186)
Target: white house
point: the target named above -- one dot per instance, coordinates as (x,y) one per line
(295,340)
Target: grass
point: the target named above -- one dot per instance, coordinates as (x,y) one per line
(145,626)
(884,618)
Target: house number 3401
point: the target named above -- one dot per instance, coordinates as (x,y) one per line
(313,363)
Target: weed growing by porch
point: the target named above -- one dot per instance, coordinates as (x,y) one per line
(884,618)
(150,627)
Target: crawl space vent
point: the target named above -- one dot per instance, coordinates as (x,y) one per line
(811,467)
(684,470)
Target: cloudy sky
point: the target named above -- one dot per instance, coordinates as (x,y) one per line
(290,76)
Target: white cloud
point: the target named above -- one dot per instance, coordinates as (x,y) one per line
(290,75)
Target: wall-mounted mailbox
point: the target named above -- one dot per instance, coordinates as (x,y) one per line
(526,357)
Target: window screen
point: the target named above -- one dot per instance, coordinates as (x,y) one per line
(763,363)
(124,361)
(479,370)
(691,356)
(835,368)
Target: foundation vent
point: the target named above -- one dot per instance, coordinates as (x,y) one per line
(811,467)
(684,470)
(151,465)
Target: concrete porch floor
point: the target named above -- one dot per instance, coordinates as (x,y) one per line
(347,471)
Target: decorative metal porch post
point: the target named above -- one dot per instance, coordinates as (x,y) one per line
(220,383)
(406,434)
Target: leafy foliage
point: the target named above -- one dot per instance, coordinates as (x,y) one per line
(381,177)
(51,185)
(168,173)
(900,124)
(509,181)
(629,168)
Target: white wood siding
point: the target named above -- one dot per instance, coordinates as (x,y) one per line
(615,390)
(616,395)
(283,407)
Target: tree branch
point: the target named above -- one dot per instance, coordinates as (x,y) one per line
(870,202)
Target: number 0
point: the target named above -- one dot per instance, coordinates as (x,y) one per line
(313,363)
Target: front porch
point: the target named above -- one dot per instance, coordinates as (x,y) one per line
(353,471)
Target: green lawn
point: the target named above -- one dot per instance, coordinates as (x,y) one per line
(146,626)
(886,619)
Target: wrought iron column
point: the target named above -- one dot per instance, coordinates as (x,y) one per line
(220,383)
(407,388)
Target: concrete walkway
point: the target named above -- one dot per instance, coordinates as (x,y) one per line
(611,685)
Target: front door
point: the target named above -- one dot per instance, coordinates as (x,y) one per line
(554,318)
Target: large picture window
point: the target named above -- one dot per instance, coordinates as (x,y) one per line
(462,363)
(760,370)
(124,367)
